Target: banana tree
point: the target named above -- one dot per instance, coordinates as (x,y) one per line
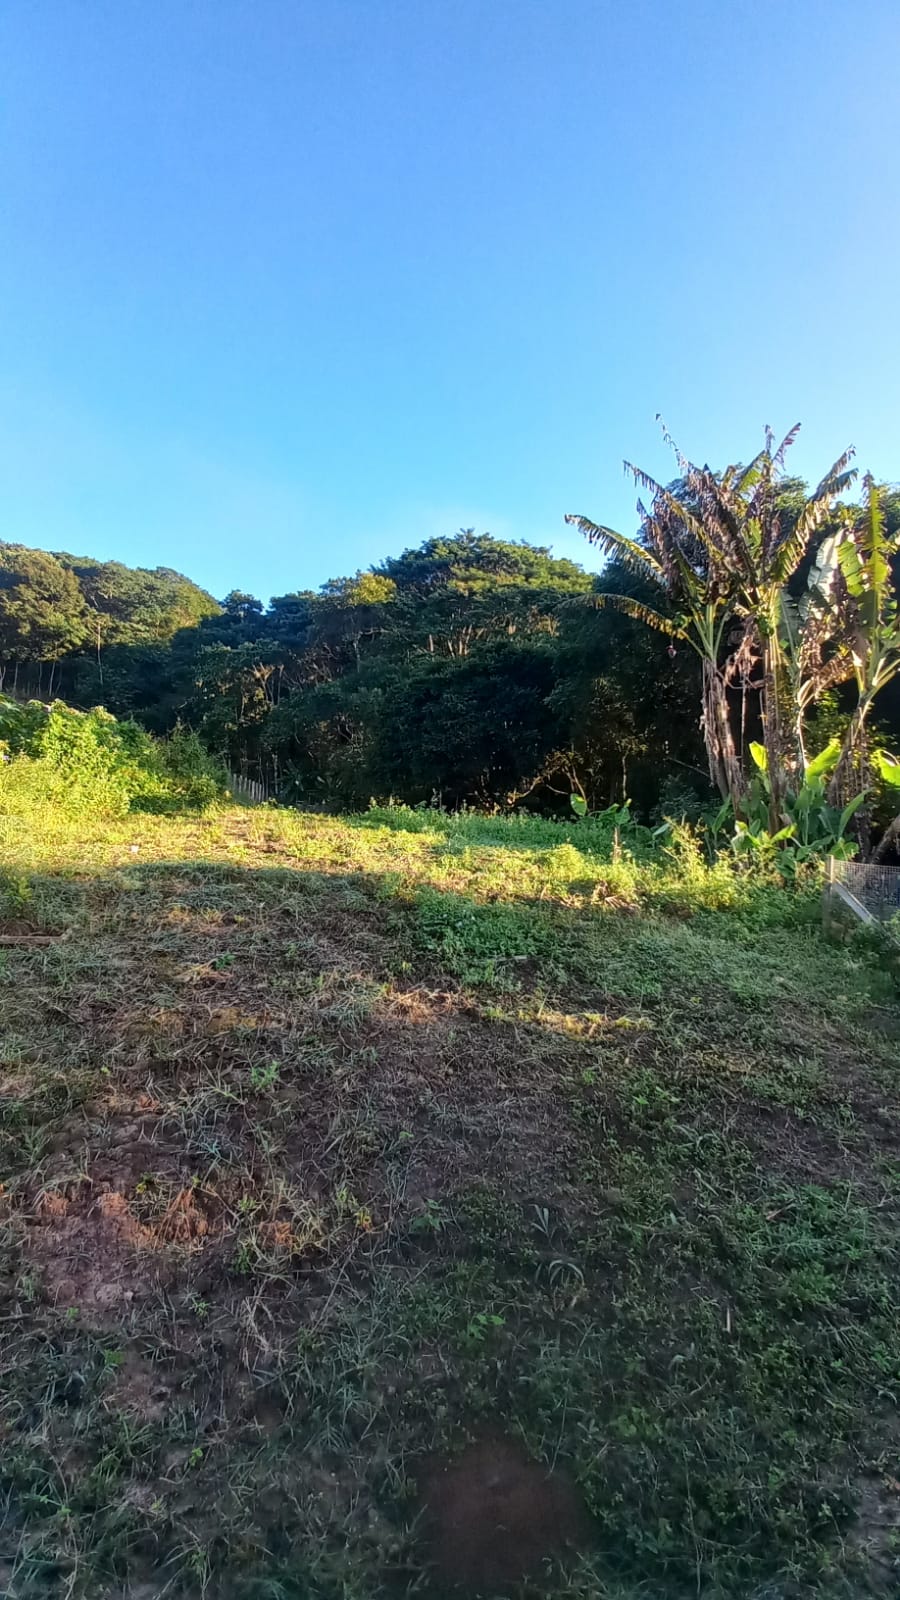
(769,552)
(867,603)
(813,639)
(690,574)
(722,554)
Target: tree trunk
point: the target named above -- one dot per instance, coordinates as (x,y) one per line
(889,841)
(724,761)
(800,738)
(848,778)
(777,757)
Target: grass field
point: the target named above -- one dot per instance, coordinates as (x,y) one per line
(334,1151)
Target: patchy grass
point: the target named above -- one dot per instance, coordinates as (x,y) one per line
(330,1148)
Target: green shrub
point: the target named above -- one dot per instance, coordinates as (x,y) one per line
(90,761)
(188,778)
(15,893)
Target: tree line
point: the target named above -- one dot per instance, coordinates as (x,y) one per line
(473,670)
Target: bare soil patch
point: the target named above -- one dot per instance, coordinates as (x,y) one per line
(493,1516)
(94,1254)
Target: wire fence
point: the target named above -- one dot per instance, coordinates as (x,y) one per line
(869,891)
(251,790)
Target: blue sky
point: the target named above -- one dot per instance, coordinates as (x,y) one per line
(286,287)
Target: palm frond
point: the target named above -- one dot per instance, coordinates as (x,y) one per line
(817,596)
(852,568)
(643,479)
(788,621)
(875,543)
(785,445)
(630,607)
(724,512)
(685,467)
(665,497)
(666,510)
(837,477)
(628,550)
(749,475)
(790,552)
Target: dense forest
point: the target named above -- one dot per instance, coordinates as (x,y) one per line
(470,670)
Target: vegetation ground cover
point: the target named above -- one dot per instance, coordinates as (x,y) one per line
(332,1146)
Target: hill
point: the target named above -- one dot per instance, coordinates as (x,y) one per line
(333,1150)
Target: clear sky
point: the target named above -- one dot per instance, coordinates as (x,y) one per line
(289,285)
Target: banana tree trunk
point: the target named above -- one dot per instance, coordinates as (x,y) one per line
(773,738)
(889,842)
(800,735)
(848,776)
(724,761)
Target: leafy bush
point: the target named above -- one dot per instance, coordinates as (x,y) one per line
(80,760)
(812,828)
(188,777)
(15,893)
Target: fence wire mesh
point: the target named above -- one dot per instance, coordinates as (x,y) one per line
(870,890)
(249,789)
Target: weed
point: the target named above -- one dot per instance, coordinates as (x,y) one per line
(263,1078)
(433,1218)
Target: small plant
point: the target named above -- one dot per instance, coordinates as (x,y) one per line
(264,1078)
(612,816)
(16,893)
(482,1324)
(565,1276)
(431,1219)
(543,1223)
